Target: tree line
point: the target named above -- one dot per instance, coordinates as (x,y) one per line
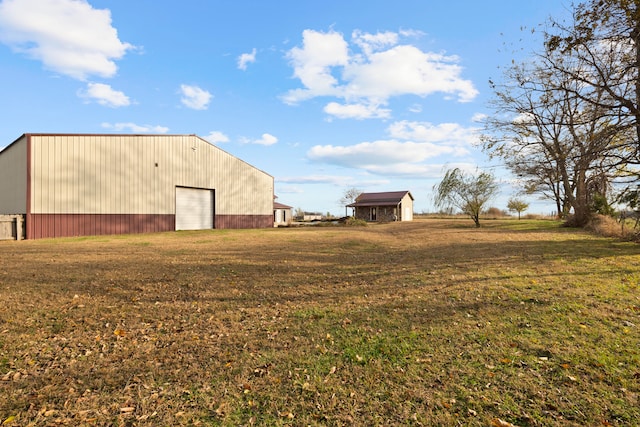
(567,120)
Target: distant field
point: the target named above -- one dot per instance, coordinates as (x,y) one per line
(427,323)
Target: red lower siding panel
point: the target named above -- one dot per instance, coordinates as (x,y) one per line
(243,221)
(40,226)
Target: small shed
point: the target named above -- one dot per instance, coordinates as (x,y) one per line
(311,216)
(382,207)
(281,214)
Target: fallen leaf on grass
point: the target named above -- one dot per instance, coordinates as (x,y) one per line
(119,332)
(146,416)
(9,420)
(261,371)
(222,409)
(286,415)
(497,422)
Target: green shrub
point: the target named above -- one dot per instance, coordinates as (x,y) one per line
(355,222)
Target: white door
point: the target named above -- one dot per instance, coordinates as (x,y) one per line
(194,209)
(408,214)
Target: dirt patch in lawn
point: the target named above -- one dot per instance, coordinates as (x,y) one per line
(432,322)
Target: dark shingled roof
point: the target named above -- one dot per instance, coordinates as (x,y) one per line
(390,198)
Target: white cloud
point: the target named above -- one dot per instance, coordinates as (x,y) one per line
(383,68)
(406,70)
(313,62)
(246,58)
(367,155)
(194,97)
(134,128)
(216,137)
(523,118)
(413,149)
(373,42)
(444,133)
(479,117)
(316,179)
(68,36)
(411,33)
(356,111)
(338,180)
(266,139)
(103,94)
(290,189)
(409,170)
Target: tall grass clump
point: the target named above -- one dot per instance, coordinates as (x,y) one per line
(607,226)
(355,222)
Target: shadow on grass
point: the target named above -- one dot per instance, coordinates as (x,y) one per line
(383,317)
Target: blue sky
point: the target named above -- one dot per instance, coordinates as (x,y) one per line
(323,96)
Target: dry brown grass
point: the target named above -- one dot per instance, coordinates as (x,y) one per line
(426,323)
(607,226)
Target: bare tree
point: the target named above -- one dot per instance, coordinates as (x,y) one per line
(466,192)
(604,35)
(349,196)
(550,136)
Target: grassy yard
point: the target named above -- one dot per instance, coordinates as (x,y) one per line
(426,323)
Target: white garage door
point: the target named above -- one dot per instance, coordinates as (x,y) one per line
(194,209)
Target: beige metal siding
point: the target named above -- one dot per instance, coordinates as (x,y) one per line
(13,178)
(123,174)
(407,208)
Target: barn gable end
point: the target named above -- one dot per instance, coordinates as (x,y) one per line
(71,185)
